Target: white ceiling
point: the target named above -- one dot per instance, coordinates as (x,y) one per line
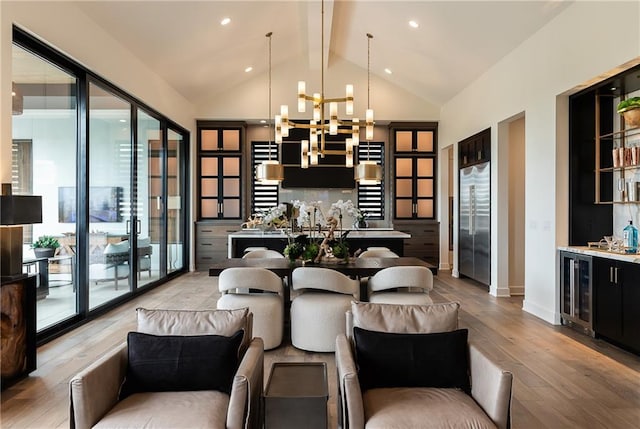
(456,42)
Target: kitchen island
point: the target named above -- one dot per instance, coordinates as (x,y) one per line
(277,240)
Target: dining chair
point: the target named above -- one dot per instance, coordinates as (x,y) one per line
(259,290)
(401,285)
(378,253)
(263,253)
(318,311)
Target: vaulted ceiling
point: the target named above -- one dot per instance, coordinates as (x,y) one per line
(454,43)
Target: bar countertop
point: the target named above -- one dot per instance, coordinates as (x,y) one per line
(602,253)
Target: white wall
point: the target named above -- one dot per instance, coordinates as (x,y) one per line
(586,40)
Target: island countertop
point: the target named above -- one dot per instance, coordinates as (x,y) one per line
(277,240)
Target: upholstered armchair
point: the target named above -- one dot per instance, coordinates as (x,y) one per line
(95,393)
(429,376)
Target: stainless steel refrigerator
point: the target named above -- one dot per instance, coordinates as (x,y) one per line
(474,235)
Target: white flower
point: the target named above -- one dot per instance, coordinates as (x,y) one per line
(309,213)
(347,207)
(274,213)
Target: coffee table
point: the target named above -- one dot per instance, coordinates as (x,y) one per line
(296,396)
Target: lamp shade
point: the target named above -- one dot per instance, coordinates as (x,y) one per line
(20,209)
(368,173)
(269,172)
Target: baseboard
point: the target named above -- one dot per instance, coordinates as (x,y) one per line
(455,273)
(516,290)
(500,292)
(444,266)
(542,313)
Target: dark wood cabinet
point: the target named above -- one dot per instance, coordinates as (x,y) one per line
(219,167)
(414,170)
(617,299)
(424,242)
(475,149)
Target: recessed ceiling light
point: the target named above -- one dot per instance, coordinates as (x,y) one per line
(225,21)
(388,71)
(263,121)
(613,88)
(414,24)
(248,69)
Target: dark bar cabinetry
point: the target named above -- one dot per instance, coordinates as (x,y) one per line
(617,300)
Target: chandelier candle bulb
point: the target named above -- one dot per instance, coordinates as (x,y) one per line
(304,154)
(284,113)
(314,151)
(349,154)
(302,90)
(278,124)
(355,130)
(369,124)
(333,118)
(316,107)
(349,101)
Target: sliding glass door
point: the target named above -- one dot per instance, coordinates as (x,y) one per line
(110,197)
(111,172)
(44,148)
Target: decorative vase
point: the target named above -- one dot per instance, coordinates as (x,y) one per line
(43,252)
(361,224)
(632,117)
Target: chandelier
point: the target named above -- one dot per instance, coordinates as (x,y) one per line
(367,172)
(269,172)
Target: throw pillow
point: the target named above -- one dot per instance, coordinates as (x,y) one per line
(405,319)
(196,322)
(412,360)
(180,363)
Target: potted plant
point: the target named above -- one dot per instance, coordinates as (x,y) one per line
(630,110)
(45,246)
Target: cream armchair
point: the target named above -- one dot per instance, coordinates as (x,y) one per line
(94,392)
(487,406)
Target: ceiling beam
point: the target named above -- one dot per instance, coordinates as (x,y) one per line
(314,32)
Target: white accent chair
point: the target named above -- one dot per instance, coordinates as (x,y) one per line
(401,285)
(115,261)
(318,311)
(265,300)
(262,253)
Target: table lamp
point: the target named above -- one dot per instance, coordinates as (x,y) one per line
(15,211)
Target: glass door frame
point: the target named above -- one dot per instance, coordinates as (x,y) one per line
(39,48)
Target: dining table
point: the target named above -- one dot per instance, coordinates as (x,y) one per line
(354,267)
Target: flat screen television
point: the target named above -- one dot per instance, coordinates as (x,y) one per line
(104,204)
(331,173)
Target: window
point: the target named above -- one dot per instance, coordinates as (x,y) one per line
(262,196)
(371,197)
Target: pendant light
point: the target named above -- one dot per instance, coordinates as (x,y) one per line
(368,172)
(269,172)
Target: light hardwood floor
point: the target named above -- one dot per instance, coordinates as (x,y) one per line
(562,379)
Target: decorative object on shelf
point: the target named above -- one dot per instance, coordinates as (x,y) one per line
(270,172)
(630,238)
(630,110)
